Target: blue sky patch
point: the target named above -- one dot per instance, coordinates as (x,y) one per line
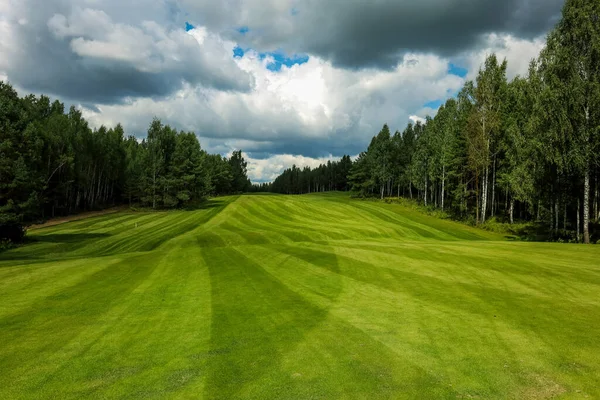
(434,104)
(456,70)
(243,30)
(238,52)
(281,58)
(189,27)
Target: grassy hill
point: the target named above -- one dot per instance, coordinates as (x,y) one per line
(292,297)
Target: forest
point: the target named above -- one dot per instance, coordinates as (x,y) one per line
(524,149)
(332,176)
(53,164)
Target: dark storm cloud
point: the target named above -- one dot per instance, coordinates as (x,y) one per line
(350,33)
(53,68)
(358,33)
(85,64)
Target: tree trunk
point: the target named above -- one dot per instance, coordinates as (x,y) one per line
(494,189)
(382,189)
(555,216)
(477,196)
(596,214)
(586,207)
(443,185)
(425,197)
(511,210)
(154,189)
(431,194)
(465,200)
(578,213)
(484,194)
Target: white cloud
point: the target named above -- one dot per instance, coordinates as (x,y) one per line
(316,110)
(267,169)
(310,108)
(416,118)
(518,53)
(149,47)
(94,55)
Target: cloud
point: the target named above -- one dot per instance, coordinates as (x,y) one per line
(313,109)
(85,55)
(289,82)
(415,118)
(518,52)
(359,34)
(267,169)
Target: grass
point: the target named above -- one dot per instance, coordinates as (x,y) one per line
(297,297)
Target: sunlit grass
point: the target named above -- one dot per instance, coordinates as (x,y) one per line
(294,297)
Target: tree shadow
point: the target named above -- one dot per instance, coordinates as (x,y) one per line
(256,319)
(65,237)
(54,244)
(204,205)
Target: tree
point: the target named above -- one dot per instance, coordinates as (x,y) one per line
(571,66)
(486,121)
(190,180)
(360,176)
(52,163)
(219,173)
(380,151)
(444,143)
(238,172)
(519,144)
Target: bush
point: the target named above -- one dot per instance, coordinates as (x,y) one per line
(12,231)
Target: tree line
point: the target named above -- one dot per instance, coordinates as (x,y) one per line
(52,163)
(526,148)
(330,176)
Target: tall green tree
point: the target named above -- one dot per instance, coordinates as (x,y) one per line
(571,66)
(381,155)
(238,172)
(519,145)
(486,122)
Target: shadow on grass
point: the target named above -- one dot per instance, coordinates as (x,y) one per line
(65,237)
(256,320)
(54,243)
(204,205)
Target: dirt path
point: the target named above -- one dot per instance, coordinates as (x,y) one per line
(75,217)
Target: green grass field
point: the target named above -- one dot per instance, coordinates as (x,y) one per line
(305,297)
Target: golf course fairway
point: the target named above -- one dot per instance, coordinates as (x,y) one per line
(295,297)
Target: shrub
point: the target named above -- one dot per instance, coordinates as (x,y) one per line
(12,231)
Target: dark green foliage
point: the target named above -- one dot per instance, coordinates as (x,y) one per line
(522,150)
(219,172)
(239,178)
(326,177)
(52,163)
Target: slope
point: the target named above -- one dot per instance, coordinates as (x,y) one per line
(312,296)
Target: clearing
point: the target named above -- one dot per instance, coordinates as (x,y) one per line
(295,297)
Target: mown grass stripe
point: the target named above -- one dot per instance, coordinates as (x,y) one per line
(317,296)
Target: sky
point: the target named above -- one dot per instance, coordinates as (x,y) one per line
(287,81)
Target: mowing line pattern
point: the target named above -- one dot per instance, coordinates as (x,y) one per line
(293,297)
